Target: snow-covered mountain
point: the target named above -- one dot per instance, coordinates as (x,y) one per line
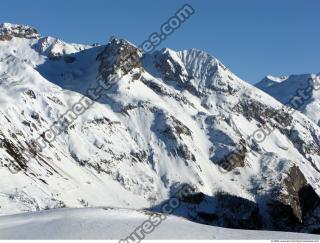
(269,81)
(296,90)
(141,131)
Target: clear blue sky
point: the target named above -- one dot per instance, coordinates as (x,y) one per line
(252,38)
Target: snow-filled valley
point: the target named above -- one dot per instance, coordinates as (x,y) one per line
(173,119)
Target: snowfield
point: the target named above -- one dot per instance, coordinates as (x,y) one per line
(112,223)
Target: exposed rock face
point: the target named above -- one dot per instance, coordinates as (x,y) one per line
(300,196)
(162,90)
(303,144)
(8,31)
(294,183)
(236,158)
(295,203)
(263,114)
(118,56)
(16,160)
(171,66)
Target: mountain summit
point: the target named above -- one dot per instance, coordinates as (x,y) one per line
(8,31)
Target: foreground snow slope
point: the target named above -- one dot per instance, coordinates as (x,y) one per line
(111,223)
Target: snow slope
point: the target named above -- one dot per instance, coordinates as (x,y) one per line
(112,223)
(172,119)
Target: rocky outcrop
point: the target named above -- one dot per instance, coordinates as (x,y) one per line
(161,90)
(236,158)
(172,133)
(299,194)
(171,67)
(262,113)
(119,56)
(295,203)
(8,31)
(304,145)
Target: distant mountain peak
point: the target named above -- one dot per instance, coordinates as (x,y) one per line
(284,89)
(277,79)
(8,31)
(270,80)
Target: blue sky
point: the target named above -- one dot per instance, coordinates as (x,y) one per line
(252,38)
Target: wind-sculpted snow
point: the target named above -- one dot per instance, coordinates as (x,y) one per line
(167,119)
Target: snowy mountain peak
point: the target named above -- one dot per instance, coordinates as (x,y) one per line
(207,74)
(286,89)
(270,80)
(116,41)
(170,65)
(55,48)
(276,79)
(8,31)
(118,57)
(196,70)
